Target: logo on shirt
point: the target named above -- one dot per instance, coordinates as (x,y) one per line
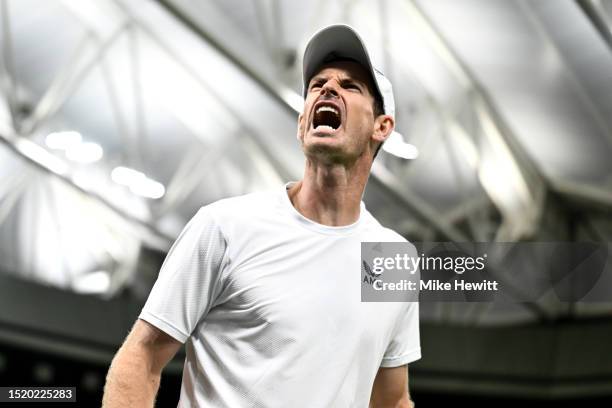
(384,268)
(370,275)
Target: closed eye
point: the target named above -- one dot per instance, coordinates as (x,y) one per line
(316,84)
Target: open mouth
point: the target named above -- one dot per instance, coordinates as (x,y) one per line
(326,117)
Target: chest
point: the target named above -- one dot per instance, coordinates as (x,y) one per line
(303,286)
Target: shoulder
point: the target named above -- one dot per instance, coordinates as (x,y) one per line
(249,203)
(393,236)
(380,232)
(375,231)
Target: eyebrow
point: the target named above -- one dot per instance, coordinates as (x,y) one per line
(353,80)
(317,79)
(342,80)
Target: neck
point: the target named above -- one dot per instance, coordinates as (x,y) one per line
(330,194)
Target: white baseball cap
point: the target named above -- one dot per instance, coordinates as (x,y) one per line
(342,41)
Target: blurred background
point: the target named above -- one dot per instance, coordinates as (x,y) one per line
(120,118)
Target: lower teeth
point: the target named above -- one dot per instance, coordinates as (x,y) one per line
(324,127)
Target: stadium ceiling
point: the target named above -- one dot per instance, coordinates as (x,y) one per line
(121,118)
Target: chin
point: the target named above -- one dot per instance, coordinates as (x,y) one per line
(326,153)
(323,142)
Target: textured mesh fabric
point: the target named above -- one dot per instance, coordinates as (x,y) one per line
(268,303)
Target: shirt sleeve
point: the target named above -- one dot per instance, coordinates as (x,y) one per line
(405,345)
(190,278)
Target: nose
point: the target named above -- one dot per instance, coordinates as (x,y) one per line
(329,89)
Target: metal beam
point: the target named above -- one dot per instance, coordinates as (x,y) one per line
(147,232)
(11,191)
(467,78)
(583,94)
(594,11)
(278,93)
(584,195)
(66,84)
(138,148)
(7,59)
(120,117)
(149,31)
(393,186)
(494,128)
(49,103)
(188,175)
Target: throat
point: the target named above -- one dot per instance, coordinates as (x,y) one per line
(327,205)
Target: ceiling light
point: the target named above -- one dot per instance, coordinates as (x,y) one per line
(92,283)
(88,152)
(126,176)
(138,182)
(148,188)
(63,140)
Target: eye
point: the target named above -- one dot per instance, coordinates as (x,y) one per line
(351,86)
(316,84)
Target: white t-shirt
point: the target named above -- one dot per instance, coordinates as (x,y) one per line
(269,305)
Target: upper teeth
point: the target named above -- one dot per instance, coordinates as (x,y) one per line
(327,109)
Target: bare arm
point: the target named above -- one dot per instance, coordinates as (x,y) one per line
(134,375)
(390,388)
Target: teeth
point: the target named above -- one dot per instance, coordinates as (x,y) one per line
(327,109)
(325,127)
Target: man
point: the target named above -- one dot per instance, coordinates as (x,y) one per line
(264,289)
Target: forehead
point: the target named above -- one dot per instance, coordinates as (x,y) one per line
(345,69)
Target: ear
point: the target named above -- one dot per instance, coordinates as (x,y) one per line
(383,127)
(300,128)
